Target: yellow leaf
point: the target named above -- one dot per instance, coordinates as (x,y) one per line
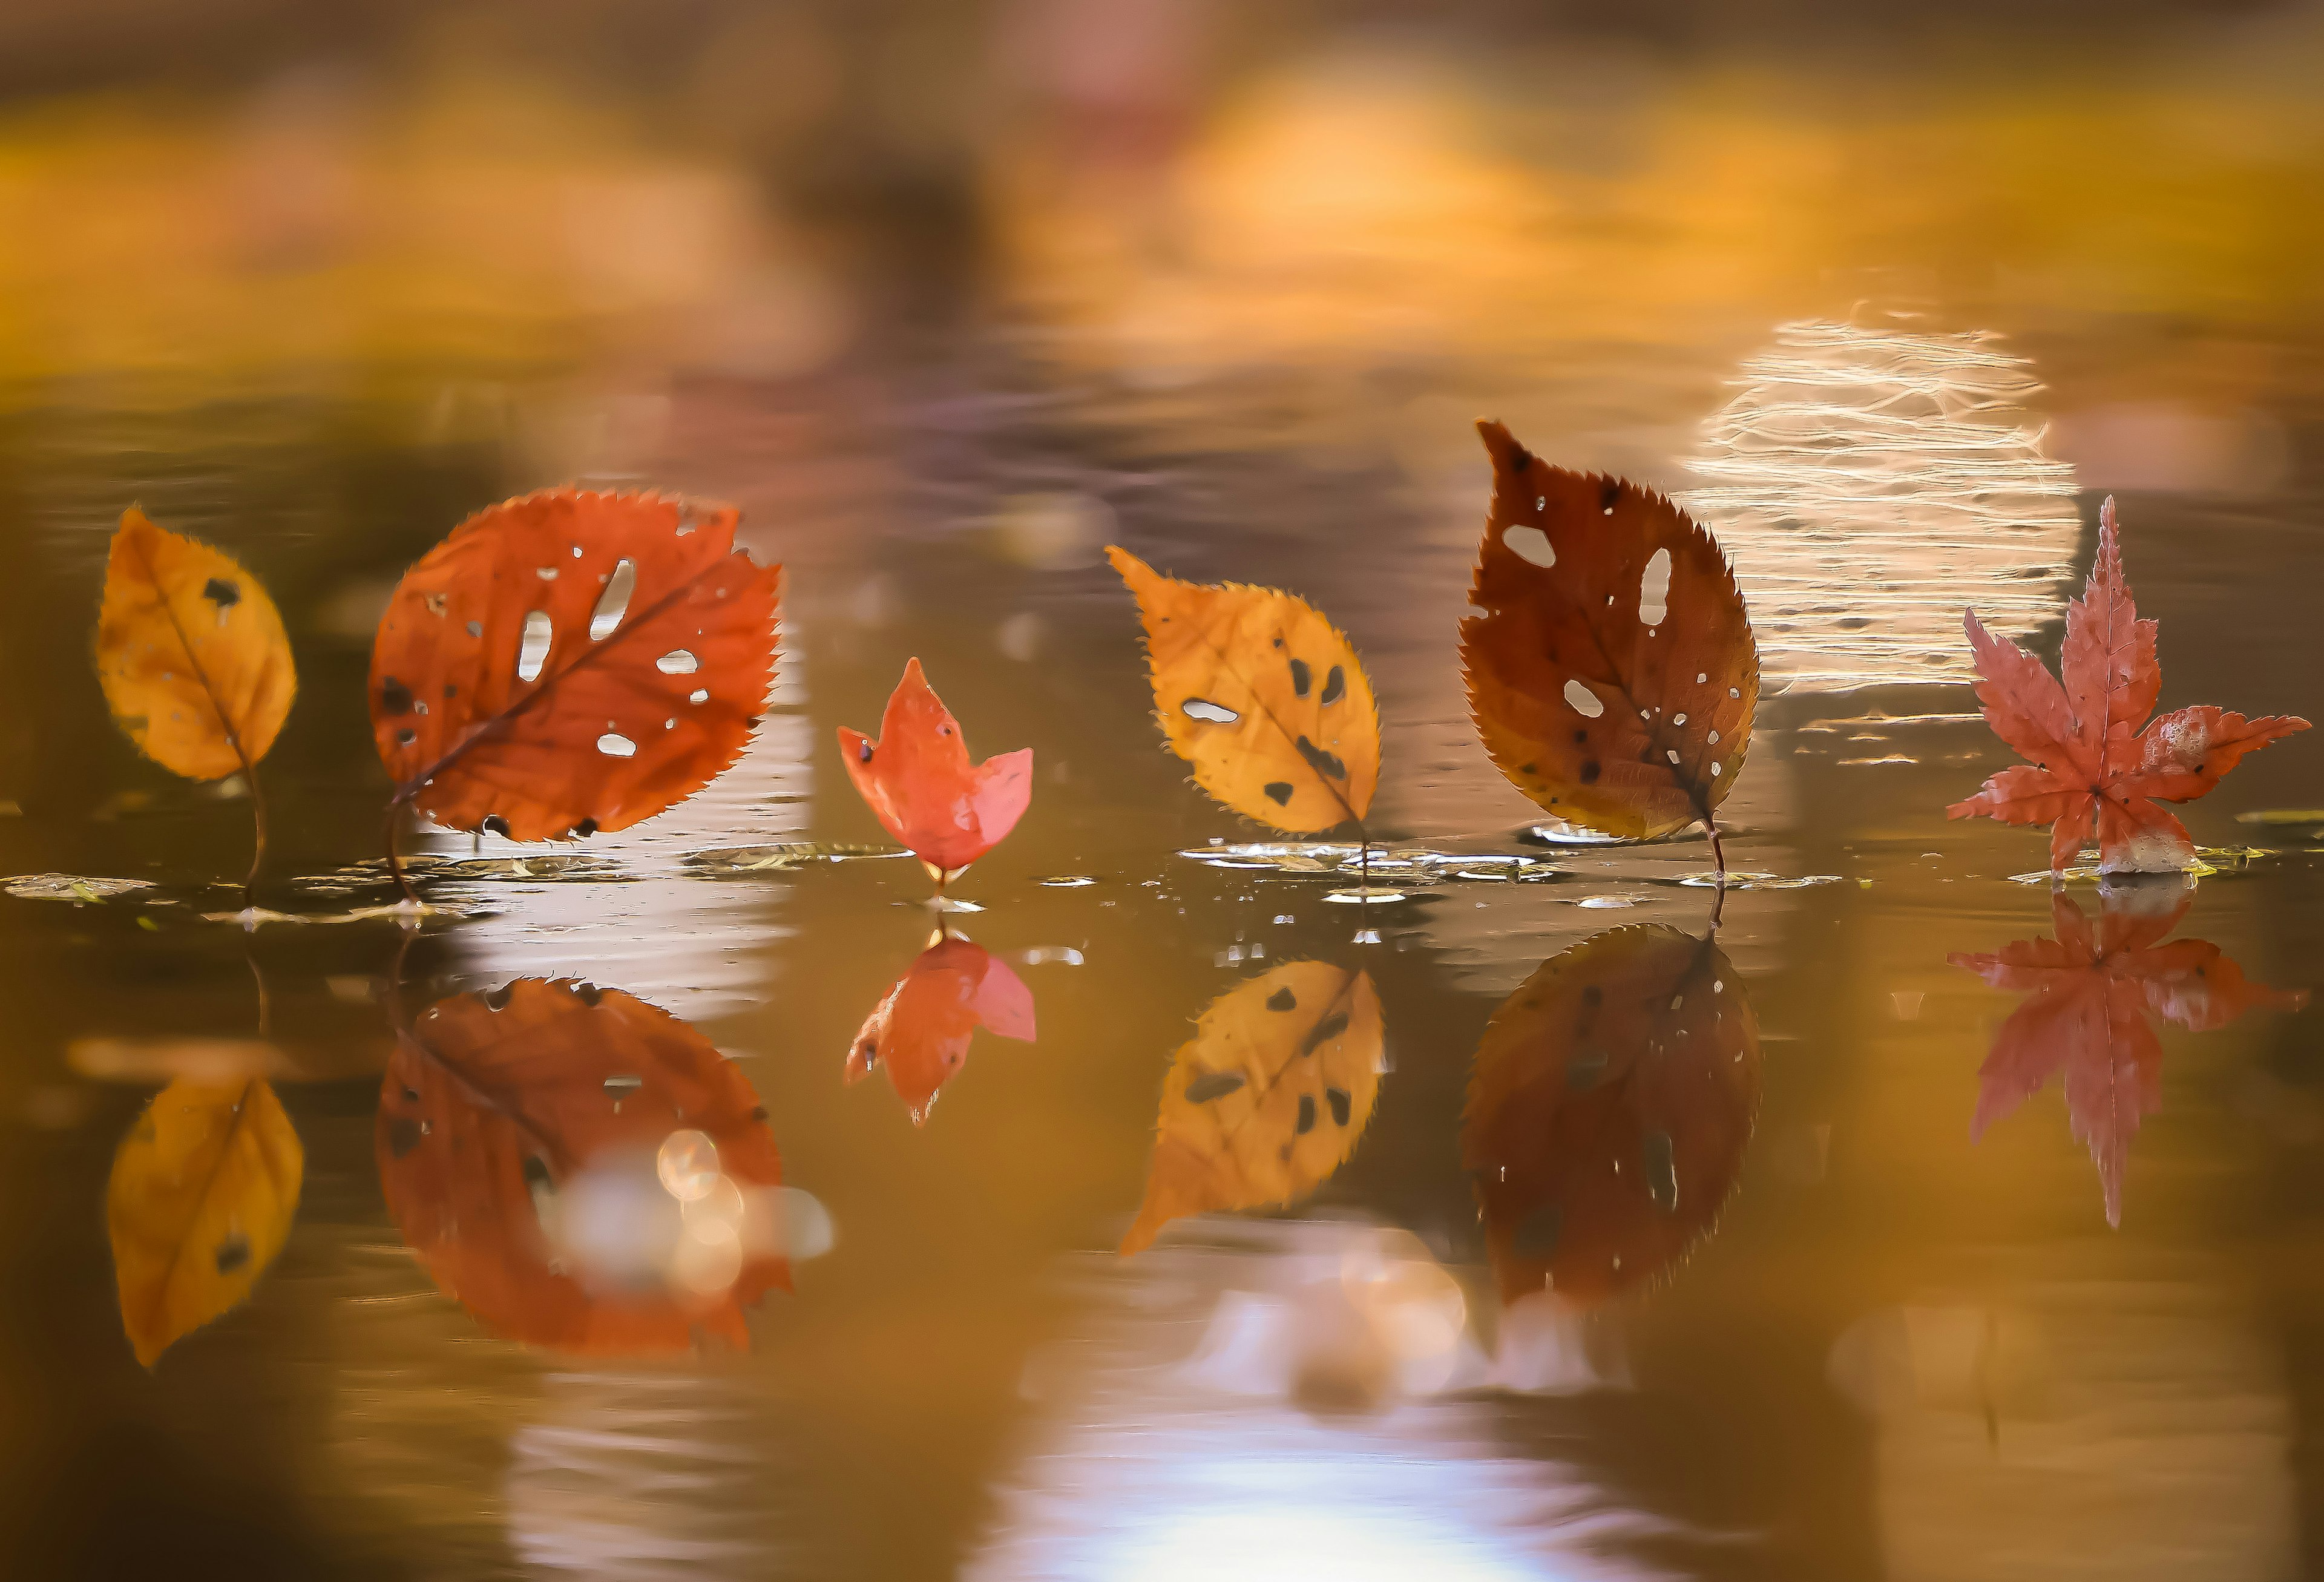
(192,653)
(202,1194)
(1268,1098)
(1262,695)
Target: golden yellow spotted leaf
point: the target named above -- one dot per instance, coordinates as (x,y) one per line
(191,652)
(1263,696)
(1268,1098)
(202,1194)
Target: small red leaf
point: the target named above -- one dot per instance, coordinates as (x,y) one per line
(2097,770)
(920,1030)
(917,777)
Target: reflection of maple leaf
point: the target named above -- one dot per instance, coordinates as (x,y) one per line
(2092,763)
(921,1029)
(2089,1017)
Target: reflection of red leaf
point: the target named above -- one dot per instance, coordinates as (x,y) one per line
(513,689)
(2093,996)
(917,778)
(2093,766)
(920,1030)
(542,1147)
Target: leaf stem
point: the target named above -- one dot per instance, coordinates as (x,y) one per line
(394,862)
(1718,860)
(257,829)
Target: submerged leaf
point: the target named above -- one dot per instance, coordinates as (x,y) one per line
(1268,1098)
(1608,1112)
(917,778)
(203,1190)
(1263,696)
(2093,768)
(921,1029)
(569,662)
(2093,997)
(191,652)
(581,1170)
(1612,672)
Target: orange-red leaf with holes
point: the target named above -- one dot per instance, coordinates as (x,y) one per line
(919,1031)
(1609,1111)
(1606,710)
(2093,997)
(2098,763)
(917,778)
(581,1170)
(631,706)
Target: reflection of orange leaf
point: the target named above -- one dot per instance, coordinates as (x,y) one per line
(1608,1112)
(568,1158)
(514,689)
(201,1198)
(2093,995)
(921,1029)
(917,778)
(2093,766)
(1612,671)
(1263,696)
(1268,1098)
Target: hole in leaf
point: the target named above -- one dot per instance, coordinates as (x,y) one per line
(1582,701)
(532,652)
(612,744)
(1530,545)
(678,662)
(1653,589)
(614,601)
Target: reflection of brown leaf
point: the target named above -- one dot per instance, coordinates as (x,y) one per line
(1612,703)
(921,1029)
(2093,996)
(202,1194)
(581,1170)
(1268,1098)
(1609,1111)
(1263,696)
(192,653)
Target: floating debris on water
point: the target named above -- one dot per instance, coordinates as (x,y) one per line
(1366,895)
(1556,832)
(1064,955)
(2275,816)
(413,912)
(949,904)
(81,889)
(1598,903)
(547,867)
(2208,860)
(782,855)
(1337,859)
(1709,880)
(1066,881)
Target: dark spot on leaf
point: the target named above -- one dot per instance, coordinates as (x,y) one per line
(1282,1000)
(1537,1232)
(588,994)
(233,1252)
(1528,769)
(406,737)
(1609,493)
(1520,460)
(1592,996)
(863,752)
(1300,677)
(1337,1098)
(1321,762)
(536,1173)
(1279,792)
(495,824)
(758,1112)
(402,1136)
(1278,642)
(1212,1085)
(586,828)
(226,596)
(1307,1114)
(1589,772)
(1581,739)
(1335,686)
(1323,1032)
(394,697)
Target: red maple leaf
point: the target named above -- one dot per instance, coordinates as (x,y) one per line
(2092,762)
(917,778)
(2090,1017)
(921,1028)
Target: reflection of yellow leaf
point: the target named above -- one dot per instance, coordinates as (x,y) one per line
(191,652)
(1268,1098)
(1262,695)
(203,1190)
